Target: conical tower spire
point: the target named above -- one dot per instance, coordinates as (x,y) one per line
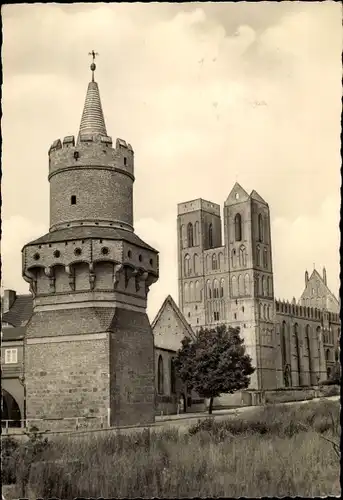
(92,121)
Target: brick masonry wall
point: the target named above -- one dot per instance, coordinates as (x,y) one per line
(115,202)
(132,384)
(67,379)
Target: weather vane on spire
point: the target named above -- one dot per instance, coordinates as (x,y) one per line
(93,66)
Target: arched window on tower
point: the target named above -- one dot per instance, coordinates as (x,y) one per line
(214,262)
(260,228)
(283,343)
(215,289)
(190,235)
(327,355)
(160,376)
(264,286)
(196,263)
(186,293)
(187,265)
(270,287)
(266,230)
(209,290)
(265,258)
(264,311)
(246,285)
(234,286)
(220,260)
(191,292)
(240,285)
(172,376)
(308,350)
(222,281)
(210,236)
(197,291)
(297,349)
(196,233)
(242,256)
(238,227)
(258,255)
(233,258)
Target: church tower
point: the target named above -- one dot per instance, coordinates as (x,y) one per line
(89,344)
(251,305)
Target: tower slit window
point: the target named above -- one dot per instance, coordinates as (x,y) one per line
(260,228)
(210,236)
(190,234)
(238,227)
(73,199)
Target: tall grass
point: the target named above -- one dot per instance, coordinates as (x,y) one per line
(279,451)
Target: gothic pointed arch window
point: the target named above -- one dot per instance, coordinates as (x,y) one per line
(242,256)
(234,286)
(327,355)
(270,287)
(258,255)
(264,311)
(264,286)
(186,293)
(196,263)
(297,349)
(222,283)
(283,343)
(266,229)
(246,284)
(172,376)
(265,258)
(240,285)
(197,291)
(209,289)
(187,265)
(214,262)
(160,375)
(233,258)
(220,260)
(260,228)
(191,292)
(182,236)
(308,348)
(210,236)
(208,262)
(196,233)
(190,235)
(238,227)
(215,289)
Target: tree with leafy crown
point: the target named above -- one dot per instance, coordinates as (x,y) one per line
(214,362)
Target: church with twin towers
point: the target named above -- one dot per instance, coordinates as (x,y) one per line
(228,278)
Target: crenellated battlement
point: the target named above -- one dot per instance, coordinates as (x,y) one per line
(312,313)
(91,151)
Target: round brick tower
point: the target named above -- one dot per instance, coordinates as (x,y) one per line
(89,345)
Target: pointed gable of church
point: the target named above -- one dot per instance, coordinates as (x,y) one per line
(170,326)
(237,195)
(255,196)
(318,294)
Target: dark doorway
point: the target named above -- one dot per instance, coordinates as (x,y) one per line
(9,410)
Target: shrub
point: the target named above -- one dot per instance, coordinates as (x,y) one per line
(9,449)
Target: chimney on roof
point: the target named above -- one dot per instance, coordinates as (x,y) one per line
(324,276)
(8,300)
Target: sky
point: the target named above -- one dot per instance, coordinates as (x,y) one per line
(207,94)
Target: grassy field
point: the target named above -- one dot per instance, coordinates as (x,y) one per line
(277,451)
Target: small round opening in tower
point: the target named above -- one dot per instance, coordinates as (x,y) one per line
(104,251)
(77,251)
(36,256)
(57,253)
